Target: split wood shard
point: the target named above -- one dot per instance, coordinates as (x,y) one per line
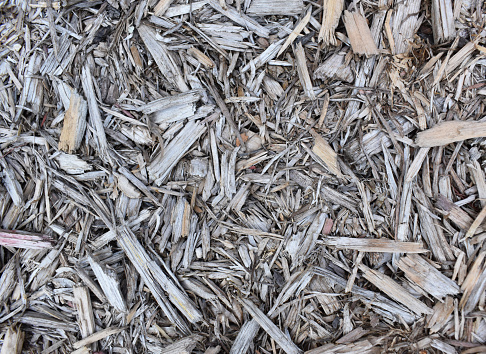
(163,58)
(109,283)
(163,164)
(330,20)
(74,124)
(158,282)
(443,21)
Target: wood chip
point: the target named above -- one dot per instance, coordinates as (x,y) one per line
(359,34)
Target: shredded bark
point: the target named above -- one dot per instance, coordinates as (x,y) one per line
(264,176)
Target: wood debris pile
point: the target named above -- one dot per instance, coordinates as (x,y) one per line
(263,176)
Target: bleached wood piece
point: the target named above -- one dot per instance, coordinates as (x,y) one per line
(139,184)
(422,273)
(95,337)
(8,280)
(474,285)
(163,58)
(431,232)
(162,7)
(476,223)
(403,230)
(158,282)
(124,185)
(479,179)
(55,64)
(274,91)
(267,55)
(303,72)
(85,310)
(268,326)
(361,347)
(11,183)
(33,91)
(13,341)
(178,10)
(416,165)
(32,318)
(443,346)
(442,314)
(249,330)
(245,336)
(90,283)
(241,19)
(201,57)
(327,193)
(109,284)
(451,131)
(372,142)
(74,124)
(459,58)
(381,304)
(82,350)
(373,245)
(72,164)
(354,273)
(168,102)
(359,34)
(443,21)
(275,7)
(209,40)
(394,290)
(335,68)
(455,213)
(293,35)
(405,24)
(326,153)
(94,114)
(368,65)
(162,165)
(330,20)
(182,346)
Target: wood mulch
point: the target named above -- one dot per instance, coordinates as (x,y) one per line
(265,176)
